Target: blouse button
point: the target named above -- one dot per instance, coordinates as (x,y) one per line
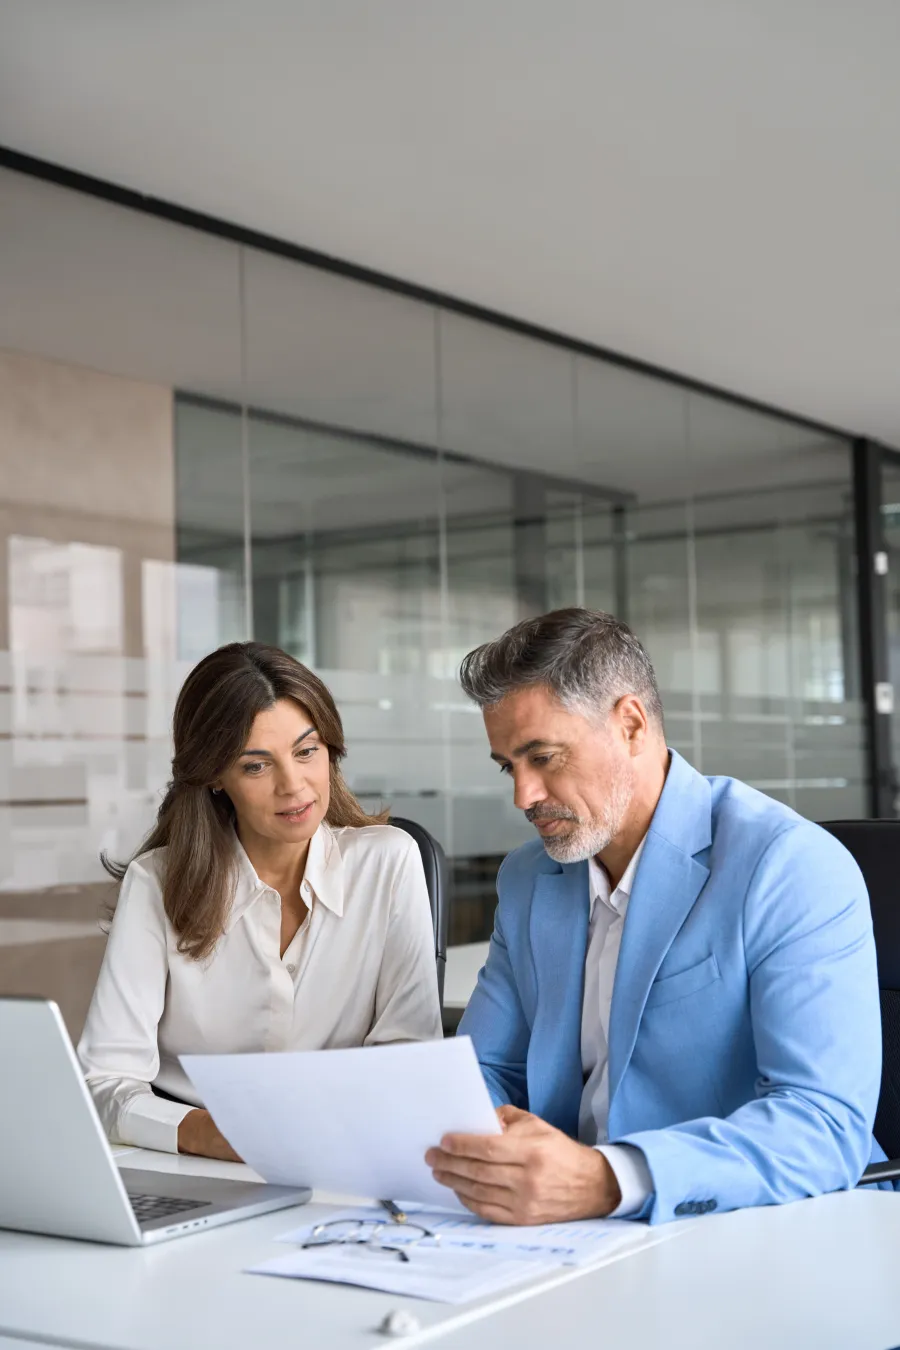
(292,970)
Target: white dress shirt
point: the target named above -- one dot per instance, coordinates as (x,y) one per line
(604,939)
(360,971)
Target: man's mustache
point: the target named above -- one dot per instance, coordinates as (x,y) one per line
(536,813)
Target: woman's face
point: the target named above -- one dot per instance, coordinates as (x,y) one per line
(280,785)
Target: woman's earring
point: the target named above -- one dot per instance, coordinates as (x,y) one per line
(216,791)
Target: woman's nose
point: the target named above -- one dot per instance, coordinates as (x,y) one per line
(290,777)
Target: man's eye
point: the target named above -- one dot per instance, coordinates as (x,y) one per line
(541,759)
(504,768)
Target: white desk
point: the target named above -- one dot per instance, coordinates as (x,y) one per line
(191,1293)
(821,1274)
(461,974)
(817,1275)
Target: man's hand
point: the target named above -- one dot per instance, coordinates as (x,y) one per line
(198,1133)
(532,1173)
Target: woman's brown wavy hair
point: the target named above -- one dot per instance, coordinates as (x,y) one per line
(214,713)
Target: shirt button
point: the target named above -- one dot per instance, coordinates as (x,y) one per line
(292,970)
(306,888)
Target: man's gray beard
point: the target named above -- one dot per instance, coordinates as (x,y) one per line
(592,836)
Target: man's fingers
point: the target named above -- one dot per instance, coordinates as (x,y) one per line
(509,1115)
(493,1147)
(460,1170)
(486,1147)
(478,1192)
(493,1210)
(492,1213)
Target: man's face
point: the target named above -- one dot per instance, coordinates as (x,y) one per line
(573,777)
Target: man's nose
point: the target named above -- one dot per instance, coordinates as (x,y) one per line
(528,787)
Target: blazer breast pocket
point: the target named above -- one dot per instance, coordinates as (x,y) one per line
(690,981)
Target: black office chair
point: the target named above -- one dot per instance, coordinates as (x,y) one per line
(434,861)
(875,844)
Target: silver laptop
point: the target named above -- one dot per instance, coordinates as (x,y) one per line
(57,1173)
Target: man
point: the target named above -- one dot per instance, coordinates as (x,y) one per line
(679,965)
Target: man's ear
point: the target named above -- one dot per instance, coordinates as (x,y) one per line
(633,720)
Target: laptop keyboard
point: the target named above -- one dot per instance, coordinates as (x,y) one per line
(147,1208)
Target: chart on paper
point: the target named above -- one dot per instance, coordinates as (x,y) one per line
(576,1243)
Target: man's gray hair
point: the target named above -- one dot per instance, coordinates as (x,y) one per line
(587,658)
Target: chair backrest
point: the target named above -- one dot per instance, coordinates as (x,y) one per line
(434,861)
(875,844)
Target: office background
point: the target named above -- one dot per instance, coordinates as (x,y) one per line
(203,440)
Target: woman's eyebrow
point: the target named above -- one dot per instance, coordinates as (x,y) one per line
(267,754)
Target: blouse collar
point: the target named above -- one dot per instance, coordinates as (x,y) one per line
(324,875)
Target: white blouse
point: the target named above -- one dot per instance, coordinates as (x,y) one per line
(360,971)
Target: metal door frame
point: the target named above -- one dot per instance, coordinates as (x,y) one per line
(869,460)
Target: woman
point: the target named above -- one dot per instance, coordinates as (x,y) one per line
(265,911)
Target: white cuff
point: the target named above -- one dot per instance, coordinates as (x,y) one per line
(633,1175)
(148,1121)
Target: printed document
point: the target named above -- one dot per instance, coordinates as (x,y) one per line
(577,1243)
(357,1122)
(441,1276)
(466,1259)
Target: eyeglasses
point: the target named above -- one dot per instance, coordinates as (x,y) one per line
(370,1235)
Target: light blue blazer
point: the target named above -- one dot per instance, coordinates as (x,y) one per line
(744,1037)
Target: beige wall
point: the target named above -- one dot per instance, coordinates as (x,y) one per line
(85,459)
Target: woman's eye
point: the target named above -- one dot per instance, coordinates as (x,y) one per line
(307,752)
(254,767)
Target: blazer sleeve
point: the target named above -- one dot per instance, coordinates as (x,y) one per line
(496,1021)
(814,1007)
(119,1051)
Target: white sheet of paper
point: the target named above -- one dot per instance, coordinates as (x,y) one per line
(578,1242)
(443,1277)
(353,1121)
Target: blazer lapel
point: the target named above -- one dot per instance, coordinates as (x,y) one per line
(669,878)
(559,928)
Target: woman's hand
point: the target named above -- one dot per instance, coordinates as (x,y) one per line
(198,1133)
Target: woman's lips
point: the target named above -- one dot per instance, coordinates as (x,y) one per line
(296,813)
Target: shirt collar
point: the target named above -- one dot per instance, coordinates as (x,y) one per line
(324,874)
(599,880)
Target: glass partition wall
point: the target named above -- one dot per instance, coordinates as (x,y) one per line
(382,549)
(203,441)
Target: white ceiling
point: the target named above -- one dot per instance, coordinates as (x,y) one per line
(712,185)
